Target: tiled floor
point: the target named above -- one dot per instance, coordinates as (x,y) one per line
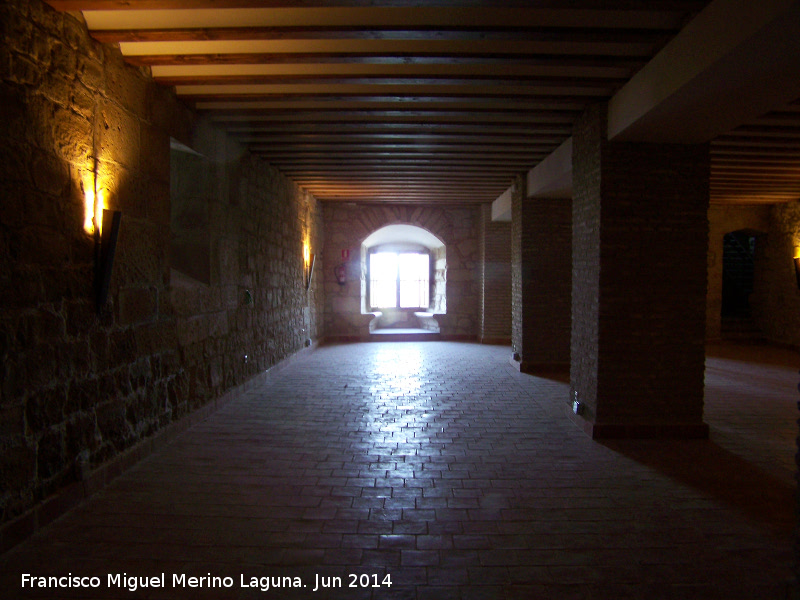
(438,466)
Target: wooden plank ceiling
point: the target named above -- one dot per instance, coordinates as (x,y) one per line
(441,101)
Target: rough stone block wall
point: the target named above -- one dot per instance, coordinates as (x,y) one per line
(546,281)
(639,273)
(776,300)
(346,227)
(79,388)
(722,220)
(256,310)
(495,250)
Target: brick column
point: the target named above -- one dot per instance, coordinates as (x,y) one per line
(495,252)
(543,251)
(640,237)
(517,196)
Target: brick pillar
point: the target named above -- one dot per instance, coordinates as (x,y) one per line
(543,250)
(517,196)
(495,253)
(640,237)
(546,284)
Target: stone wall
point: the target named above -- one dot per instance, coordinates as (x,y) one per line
(495,284)
(255,311)
(722,220)
(776,299)
(775,302)
(80,388)
(346,227)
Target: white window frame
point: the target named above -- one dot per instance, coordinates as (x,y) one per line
(425,295)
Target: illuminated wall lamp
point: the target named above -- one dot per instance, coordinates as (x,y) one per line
(105,247)
(797,270)
(103,225)
(308,263)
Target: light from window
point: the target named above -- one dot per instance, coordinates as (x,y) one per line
(399,279)
(383,279)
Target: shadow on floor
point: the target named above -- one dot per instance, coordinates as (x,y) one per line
(720,474)
(755,352)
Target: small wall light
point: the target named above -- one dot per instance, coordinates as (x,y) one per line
(797,270)
(105,246)
(308,264)
(88,208)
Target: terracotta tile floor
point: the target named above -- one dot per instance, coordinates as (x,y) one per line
(439,466)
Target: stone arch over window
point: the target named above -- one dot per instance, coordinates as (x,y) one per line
(404,238)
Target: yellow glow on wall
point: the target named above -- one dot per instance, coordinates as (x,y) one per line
(306,254)
(99,205)
(93,205)
(88,209)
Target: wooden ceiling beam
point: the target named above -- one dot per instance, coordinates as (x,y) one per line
(531,106)
(511,138)
(126,5)
(392,93)
(443,70)
(406,128)
(394,175)
(478,153)
(532,60)
(428,144)
(515,84)
(411,117)
(400,169)
(511,33)
(396,48)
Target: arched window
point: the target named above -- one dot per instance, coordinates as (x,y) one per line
(403,268)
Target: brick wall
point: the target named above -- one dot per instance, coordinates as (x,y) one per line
(346,227)
(79,389)
(588,144)
(546,282)
(495,284)
(517,198)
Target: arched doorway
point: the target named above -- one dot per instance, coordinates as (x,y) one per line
(740,256)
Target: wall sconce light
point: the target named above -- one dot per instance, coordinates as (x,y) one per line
(105,246)
(308,265)
(797,270)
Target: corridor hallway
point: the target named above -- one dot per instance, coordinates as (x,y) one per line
(441,466)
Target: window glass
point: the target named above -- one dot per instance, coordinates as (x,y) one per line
(413,277)
(399,279)
(383,279)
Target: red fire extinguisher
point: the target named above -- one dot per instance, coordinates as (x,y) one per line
(341,273)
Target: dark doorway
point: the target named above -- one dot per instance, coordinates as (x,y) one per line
(738,269)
